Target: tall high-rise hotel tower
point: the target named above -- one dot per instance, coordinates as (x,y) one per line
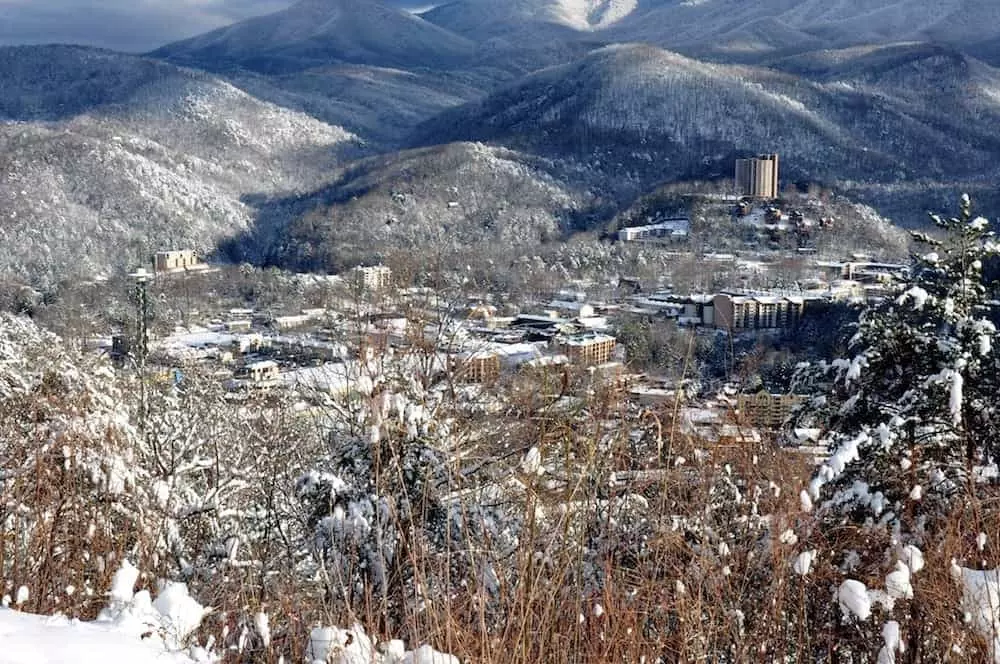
(758,176)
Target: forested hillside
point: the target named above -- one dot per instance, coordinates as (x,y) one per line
(128,154)
(660,115)
(94,176)
(431,200)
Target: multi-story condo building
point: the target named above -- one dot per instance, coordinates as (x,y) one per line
(757,312)
(476,367)
(371,277)
(589,349)
(765,410)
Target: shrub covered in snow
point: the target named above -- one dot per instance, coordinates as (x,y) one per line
(71,491)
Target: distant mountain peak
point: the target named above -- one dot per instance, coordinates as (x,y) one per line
(590,14)
(316,32)
(481,19)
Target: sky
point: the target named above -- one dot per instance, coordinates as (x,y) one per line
(123,25)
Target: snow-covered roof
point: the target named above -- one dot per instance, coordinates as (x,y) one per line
(566,305)
(197,339)
(334,377)
(586,339)
(548,361)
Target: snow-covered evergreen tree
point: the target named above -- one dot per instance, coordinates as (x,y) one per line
(394,517)
(909,416)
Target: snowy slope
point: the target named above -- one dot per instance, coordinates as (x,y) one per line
(106,157)
(735,30)
(444,196)
(935,84)
(720,26)
(136,629)
(316,32)
(184,110)
(378,104)
(482,18)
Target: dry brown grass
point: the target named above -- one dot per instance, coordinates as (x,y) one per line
(64,527)
(698,574)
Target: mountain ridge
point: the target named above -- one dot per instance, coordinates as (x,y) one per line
(160,160)
(178,154)
(710,28)
(641,116)
(316,32)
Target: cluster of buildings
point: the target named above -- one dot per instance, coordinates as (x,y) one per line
(333,347)
(339,346)
(727,417)
(857,280)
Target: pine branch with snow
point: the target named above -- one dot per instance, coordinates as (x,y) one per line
(906,417)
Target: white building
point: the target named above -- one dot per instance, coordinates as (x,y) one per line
(668,229)
(574,309)
(371,278)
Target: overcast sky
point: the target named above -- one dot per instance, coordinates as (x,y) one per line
(124,25)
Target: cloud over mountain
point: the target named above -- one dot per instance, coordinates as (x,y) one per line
(125,25)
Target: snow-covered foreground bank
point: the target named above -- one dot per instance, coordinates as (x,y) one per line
(135,629)
(30,639)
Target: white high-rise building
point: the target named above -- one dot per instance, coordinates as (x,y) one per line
(758,176)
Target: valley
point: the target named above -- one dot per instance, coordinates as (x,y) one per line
(526,331)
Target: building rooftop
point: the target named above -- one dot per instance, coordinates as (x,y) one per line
(586,339)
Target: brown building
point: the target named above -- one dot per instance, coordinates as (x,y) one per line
(169,261)
(479,367)
(764,410)
(589,350)
(757,312)
(758,176)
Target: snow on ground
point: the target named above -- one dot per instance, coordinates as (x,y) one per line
(854,599)
(981,603)
(135,629)
(30,639)
(591,14)
(341,646)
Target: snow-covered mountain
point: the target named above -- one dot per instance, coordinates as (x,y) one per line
(319,32)
(380,105)
(479,19)
(106,157)
(114,155)
(747,30)
(645,113)
(186,110)
(731,30)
